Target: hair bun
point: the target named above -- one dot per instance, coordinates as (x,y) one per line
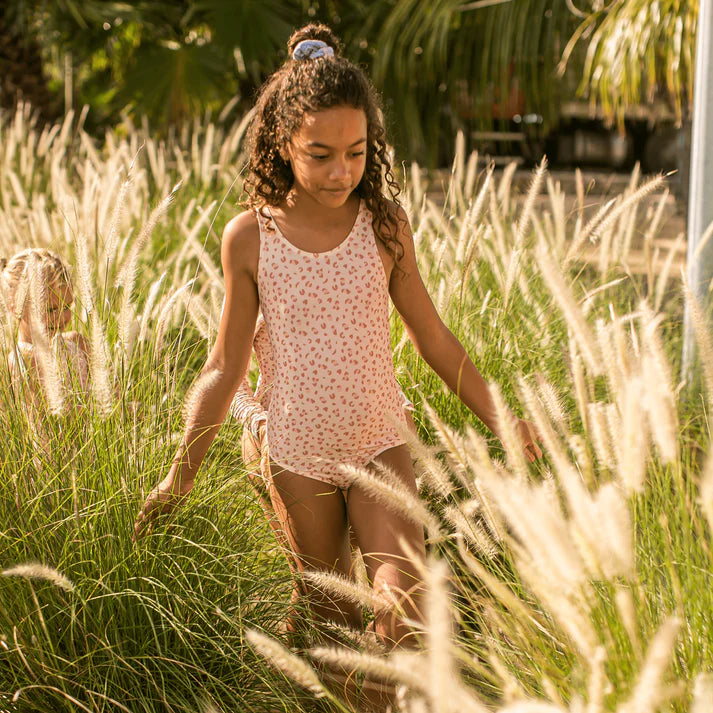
(314,31)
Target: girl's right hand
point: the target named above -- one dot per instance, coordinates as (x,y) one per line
(161,500)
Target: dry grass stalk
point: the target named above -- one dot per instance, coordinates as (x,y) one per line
(385,487)
(533,191)
(660,399)
(101,381)
(472,531)
(702,694)
(348,589)
(567,304)
(649,692)
(441,672)
(508,435)
(633,438)
(35,570)
(394,669)
(286,661)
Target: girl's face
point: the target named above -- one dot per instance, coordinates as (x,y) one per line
(59,303)
(328,155)
(57,312)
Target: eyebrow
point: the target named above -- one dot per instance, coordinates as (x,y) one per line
(317,145)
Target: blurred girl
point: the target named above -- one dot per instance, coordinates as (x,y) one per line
(38,293)
(320,252)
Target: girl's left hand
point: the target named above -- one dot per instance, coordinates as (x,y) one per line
(528,433)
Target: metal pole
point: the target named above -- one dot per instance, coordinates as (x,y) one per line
(700,197)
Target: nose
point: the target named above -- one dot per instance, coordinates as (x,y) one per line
(340,169)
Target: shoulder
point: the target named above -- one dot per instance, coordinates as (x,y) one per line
(240,245)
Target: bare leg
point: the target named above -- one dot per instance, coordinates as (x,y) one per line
(314,518)
(381,535)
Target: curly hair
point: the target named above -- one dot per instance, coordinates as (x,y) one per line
(304,86)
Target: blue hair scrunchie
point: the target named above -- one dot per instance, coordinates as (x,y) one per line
(311,49)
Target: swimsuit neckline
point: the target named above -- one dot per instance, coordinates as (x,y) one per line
(336,248)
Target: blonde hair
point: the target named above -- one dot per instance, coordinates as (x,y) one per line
(15,272)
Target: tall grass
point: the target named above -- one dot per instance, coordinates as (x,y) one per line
(580,583)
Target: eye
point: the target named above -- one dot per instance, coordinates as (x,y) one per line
(358,153)
(318,157)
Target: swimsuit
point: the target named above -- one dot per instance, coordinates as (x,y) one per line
(335,398)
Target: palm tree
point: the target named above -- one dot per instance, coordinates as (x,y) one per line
(22,76)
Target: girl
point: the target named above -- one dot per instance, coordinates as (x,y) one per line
(250,409)
(320,253)
(43,312)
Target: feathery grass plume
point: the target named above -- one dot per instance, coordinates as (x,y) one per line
(627,222)
(472,531)
(650,692)
(547,434)
(284,660)
(348,589)
(385,487)
(101,381)
(704,340)
(664,272)
(660,399)
(441,670)
(553,404)
(482,466)
(149,305)
(626,202)
(599,434)
(588,302)
(580,329)
(579,381)
(166,312)
(612,368)
(705,490)
(431,468)
(35,570)
(127,272)
(702,694)
(531,707)
(117,215)
(84,271)
(505,184)
(508,434)
(50,379)
(394,669)
(581,235)
(633,438)
(454,447)
(533,191)
(128,326)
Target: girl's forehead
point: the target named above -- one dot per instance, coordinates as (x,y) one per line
(334,123)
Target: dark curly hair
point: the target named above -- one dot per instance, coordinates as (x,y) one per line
(309,85)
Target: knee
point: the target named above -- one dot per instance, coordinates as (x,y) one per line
(397,622)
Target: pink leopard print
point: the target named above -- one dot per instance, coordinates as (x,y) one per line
(335,398)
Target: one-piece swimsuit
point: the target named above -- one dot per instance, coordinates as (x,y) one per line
(335,399)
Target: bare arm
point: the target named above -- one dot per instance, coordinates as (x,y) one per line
(224,369)
(438,345)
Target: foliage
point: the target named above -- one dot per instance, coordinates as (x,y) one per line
(457,65)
